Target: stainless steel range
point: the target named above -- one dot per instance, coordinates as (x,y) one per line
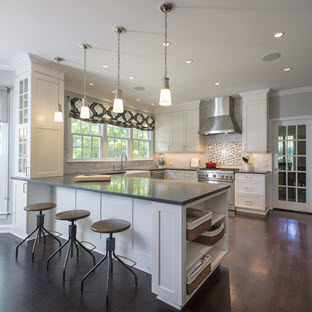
(220,176)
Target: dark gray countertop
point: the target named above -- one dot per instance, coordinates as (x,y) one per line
(253,172)
(166,191)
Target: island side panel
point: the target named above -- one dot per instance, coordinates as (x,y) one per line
(168,253)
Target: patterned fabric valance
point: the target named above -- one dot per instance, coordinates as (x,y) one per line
(100,113)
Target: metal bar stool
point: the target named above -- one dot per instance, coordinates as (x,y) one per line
(110,226)
(40,226)
(72,216)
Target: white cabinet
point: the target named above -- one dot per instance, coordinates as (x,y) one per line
(255,121)
(178,132)
(252,192)
(163,133)
(39,140)
(181,175)
(18,202)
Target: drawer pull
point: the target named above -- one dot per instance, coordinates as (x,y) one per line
(248,202)
(249,188)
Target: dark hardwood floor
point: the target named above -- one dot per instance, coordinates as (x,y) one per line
(268,268)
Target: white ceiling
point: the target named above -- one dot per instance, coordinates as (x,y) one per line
(225,38)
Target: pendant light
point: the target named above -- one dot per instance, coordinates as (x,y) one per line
(85,111)
(118,101)
(58,115)
(165,92)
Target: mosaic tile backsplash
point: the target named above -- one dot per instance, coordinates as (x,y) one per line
(224,153)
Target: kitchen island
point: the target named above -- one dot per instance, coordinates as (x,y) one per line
(157,212)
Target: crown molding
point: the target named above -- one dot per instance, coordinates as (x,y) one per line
(294,91)
(256,94)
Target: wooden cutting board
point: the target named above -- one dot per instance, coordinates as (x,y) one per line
(93,178)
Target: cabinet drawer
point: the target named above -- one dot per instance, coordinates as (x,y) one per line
(253,188)
(190,173)
(250,202)
(249,177)
(176,173)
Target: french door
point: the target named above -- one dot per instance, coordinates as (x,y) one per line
(292,165)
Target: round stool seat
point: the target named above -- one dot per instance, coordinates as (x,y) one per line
(110,226)
(72,215)
(40,206)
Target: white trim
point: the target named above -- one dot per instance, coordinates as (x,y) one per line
(256,93)
(6,228)
(178,107)
(291,118)
(294,91)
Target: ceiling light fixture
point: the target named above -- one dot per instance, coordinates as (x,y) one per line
(91,84)
(58,115)
(131,77)
(279,34)
(166,43)
(152,104)
(118,101)
(113,91)
(189,61)
(105,66)
(287,69)
(165,92)
(138,100)
(217,83)
(85,111)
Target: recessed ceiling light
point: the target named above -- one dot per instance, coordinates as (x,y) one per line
(139,88)
(91,84)
(279,34)
(152,104)
(138,100)
(271,57)
(131,77)
(105,66)
(287,69)
(217,83)
(189,61)
(113,91)
(166,43)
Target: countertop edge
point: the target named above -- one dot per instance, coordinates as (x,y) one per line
(172,202)
(253,172)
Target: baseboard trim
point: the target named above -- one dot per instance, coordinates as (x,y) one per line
(6,228)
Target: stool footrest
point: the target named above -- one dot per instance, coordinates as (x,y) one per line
(131,266)
(85,242)
(55,233)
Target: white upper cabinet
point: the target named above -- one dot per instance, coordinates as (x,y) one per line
(39,140)
(178,129)
(255,121)
(178,132)
(163,133)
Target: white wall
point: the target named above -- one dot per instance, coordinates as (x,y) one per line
(291,105)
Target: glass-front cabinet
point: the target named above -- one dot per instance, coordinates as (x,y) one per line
(23,126)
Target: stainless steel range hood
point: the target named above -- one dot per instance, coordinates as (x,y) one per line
(217,116)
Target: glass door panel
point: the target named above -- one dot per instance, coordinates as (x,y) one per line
(291,168)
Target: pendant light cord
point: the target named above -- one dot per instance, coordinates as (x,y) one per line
(166,42)
(85,75)
(58,82)
(118,60)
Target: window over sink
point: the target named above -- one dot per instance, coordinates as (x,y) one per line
(95,142)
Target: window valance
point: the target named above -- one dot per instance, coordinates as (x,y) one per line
(100,113)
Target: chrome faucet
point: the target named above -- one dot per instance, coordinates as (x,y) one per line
(121,159)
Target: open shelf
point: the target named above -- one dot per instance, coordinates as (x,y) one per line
(194,251)
(216,255)
(216,217)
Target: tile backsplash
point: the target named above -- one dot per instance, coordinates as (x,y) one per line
(225,154)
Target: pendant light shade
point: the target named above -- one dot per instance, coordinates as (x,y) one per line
(118,101)
(58,115)
(85,111)
(165,92)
